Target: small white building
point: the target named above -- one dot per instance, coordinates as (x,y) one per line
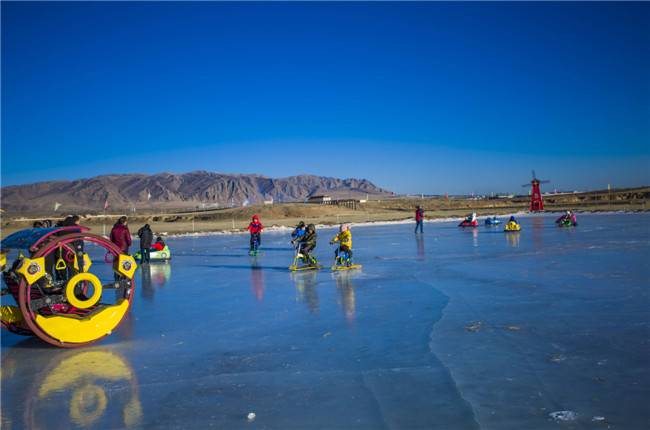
(319,199)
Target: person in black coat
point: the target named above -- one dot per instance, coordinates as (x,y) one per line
(307,243)
(146,238)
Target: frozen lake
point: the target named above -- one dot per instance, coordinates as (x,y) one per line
(454,329)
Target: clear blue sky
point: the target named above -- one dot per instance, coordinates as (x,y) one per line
(417,97)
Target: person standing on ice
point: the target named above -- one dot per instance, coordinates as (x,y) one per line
(121,236)
(255,227)
(146,238)
(419,218)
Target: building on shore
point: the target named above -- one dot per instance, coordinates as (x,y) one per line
(320,199)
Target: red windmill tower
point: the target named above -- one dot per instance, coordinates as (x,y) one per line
(536,203)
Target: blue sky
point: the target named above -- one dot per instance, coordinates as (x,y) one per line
(416,97)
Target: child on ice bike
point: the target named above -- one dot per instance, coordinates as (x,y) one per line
(306,244)
(344,239)
(255,227)
(299,231)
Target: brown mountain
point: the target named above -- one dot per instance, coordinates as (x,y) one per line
(182,191)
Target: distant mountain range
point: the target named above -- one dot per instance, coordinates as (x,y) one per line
(192,190)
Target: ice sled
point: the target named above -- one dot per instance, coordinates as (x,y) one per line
(337,268)
(467,223)
(344,262)
(492,221)
(299,262)
(512,226)
(154,255)
(566,222)
(299,268)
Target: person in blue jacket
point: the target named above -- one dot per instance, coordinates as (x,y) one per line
(299,231)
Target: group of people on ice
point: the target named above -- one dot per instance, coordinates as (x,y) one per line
(121,236)
(567,219)
(304,238)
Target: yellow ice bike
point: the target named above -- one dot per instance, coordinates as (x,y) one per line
(303,261)
(343,261)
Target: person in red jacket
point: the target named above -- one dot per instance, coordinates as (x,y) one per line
(159,245)
(255,227)
(419,218)
(121,236)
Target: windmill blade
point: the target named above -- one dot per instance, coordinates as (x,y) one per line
(545,181)
(526,185)
(534,177)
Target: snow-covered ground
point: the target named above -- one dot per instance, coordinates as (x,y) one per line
(453,329)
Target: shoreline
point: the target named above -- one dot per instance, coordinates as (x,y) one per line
(284,228)
(196,226)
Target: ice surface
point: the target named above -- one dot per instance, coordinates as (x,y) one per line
(455,329)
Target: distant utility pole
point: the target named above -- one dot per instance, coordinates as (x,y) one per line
(609,194)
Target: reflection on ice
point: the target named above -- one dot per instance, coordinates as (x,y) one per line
(257,279)
(346,293)
(513,238)
(537,229)
(154,276)
(305,283)
(419,240)
(94,388)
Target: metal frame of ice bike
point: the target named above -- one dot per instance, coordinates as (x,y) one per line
(299,256)
(345,262)
(256,246)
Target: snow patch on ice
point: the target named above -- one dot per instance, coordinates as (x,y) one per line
(564,416)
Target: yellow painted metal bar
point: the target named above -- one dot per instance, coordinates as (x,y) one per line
(70,329)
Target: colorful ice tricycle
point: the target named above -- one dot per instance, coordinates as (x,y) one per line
(58,298)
